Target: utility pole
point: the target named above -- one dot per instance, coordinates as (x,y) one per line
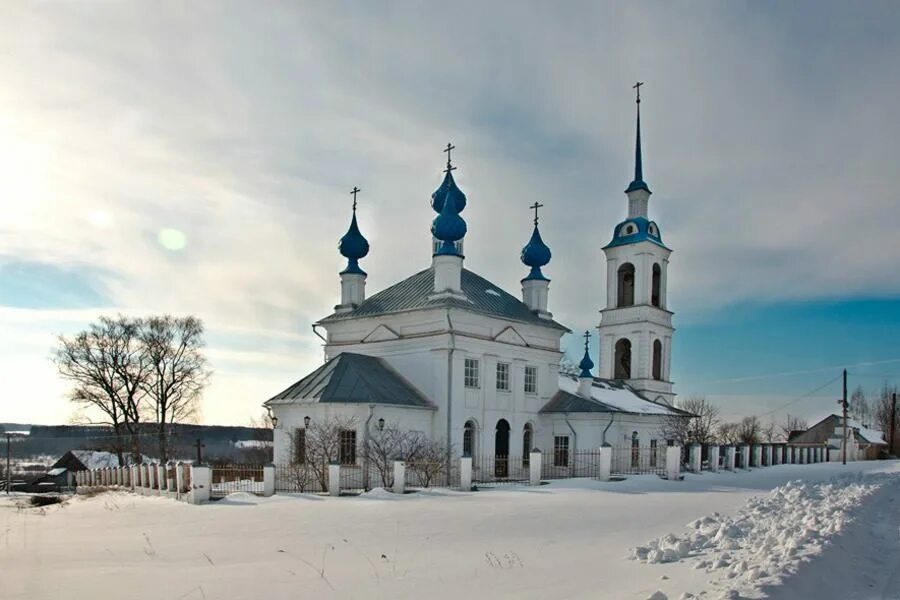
(8,472)
(199,445)
(844,407)
(893,420)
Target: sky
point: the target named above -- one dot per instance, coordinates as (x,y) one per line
(197,158)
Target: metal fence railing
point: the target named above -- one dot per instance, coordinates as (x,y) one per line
(236,478)
(425,474)
(642,460)
(301,478)
(488,469)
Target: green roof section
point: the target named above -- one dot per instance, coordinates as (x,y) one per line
(413,293)
(354,379)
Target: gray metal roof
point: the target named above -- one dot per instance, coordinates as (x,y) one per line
(413,293)
(564,402)
(356,379)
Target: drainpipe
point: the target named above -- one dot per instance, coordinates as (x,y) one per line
(608,425)
(450,352)
(574,435)
(366,437)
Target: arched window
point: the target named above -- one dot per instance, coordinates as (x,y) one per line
(655,288)
(657,360)
(469,439)
(501,449)
(527,443)
(635,450)
(626,285)
(623,359)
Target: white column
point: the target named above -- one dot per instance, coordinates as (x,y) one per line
(611,281)
(170,479)
(696,458)
(268,480)
(714,458)
(757,455)
(334,480)
(745,456)
(673,462)
(605,462)
(161,478)
(535,462)
(790,455)
(399,477)
(179,479)
(729,458)
(767,455)
(201,478)
(465,473)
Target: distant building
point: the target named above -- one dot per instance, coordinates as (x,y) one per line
(862,443)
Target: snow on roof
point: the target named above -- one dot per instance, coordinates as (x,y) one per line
(56,471)
(869,435)
(98,459)
(618,396)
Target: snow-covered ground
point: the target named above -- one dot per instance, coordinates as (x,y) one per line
(831,535)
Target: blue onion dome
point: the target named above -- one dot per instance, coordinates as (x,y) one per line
(448,186)
(586,364)
(353,246)
(448,226)
(535,254)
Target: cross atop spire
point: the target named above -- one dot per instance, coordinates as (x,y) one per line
(450,167)
(586,363)
(535,208)
(587,339)
(355,191)
(638,183)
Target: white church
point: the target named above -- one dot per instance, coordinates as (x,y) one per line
(448,353)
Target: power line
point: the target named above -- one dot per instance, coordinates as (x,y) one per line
(799,398)
(803,372)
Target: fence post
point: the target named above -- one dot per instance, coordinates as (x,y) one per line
(161,479)
(399,477)
(201,477)
(714,458)
(605,462)
(535,466)
(465,473)
(696,458)
(767,455)
(673,462)
(179,479)
(729,457)
(757,456)
(171,490)
(268,480)
(745,456)
(334,479)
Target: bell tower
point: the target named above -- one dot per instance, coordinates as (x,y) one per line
(635,331)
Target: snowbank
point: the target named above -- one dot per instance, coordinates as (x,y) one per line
(770,536)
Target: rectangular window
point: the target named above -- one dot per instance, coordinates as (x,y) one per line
(471,373)
(348,447)
(531,380)
(561,451)
(299,446)
(503,377)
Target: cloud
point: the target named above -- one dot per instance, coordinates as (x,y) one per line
(769,139)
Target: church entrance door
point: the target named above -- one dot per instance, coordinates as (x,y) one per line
(501,449)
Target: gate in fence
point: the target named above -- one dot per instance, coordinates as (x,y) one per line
(236,478)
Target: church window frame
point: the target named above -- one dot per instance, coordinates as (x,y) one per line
(471,373)
(347,447)
(469,430)
(503,370)
(656,286)
(299,446)
(657,360)
(561,451)
(622,361)
(531,375)
(625,285)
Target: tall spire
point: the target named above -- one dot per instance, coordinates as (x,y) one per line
(586,363)
(638,183)
(535,254)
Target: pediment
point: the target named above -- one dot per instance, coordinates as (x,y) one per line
(510,336)
(382,333)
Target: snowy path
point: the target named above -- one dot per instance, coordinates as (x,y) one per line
(565,540)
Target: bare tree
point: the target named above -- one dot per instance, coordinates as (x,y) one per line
(791,424)
(424,456)
(429,461)
(173,350)
(107,369)
(859,407)
(728,433)
(749,430)
(882,416)
(318,446)
(699,429)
